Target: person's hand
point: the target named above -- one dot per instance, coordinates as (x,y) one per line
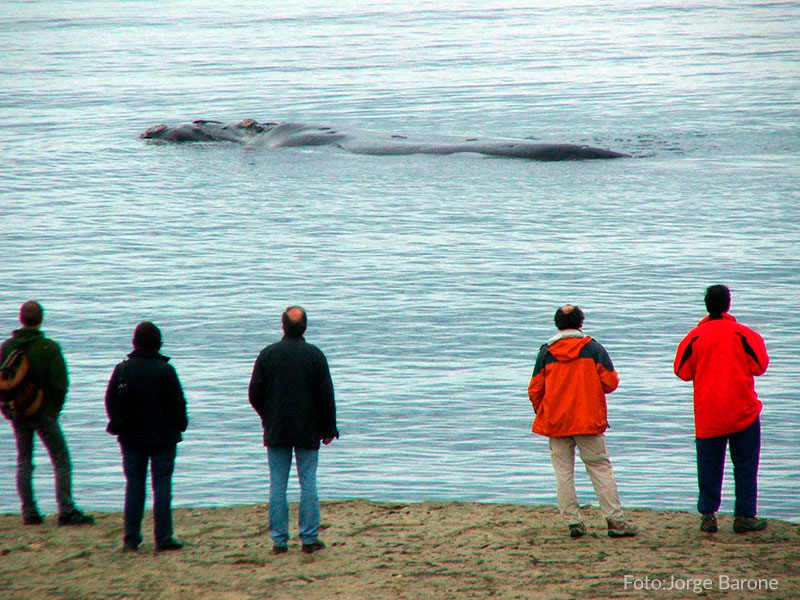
(327,441)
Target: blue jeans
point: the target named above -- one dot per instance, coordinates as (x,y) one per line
(49,431)
(280,462)
(162,464)
(745,447)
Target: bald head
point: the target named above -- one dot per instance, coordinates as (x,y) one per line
(569,317)
(31,314)
(294,321)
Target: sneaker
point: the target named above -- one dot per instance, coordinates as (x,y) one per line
(313,547)
(280,549)
(577,530)
(745,524)
(170,544)
(621,529)
(127,547)
(35,519)
(709,523)
(75,517)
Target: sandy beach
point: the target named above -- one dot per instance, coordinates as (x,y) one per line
(415,551)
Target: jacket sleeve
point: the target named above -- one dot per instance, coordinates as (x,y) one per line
(180,418)
(57,377)
(756,351)
(113,408)
(609,379)
(255,392)
(684,361)
(536,384)
(325,400)
(536,391)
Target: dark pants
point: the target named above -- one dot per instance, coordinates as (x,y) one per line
(745,450)
(49,431)
(162,464)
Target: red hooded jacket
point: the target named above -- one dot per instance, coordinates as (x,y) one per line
(572,375)
(722,357)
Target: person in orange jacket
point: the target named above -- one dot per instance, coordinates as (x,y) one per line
(721,357)
(571,377)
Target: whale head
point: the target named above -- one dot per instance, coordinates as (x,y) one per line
(154,132)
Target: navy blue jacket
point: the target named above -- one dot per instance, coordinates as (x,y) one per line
(151,414)
(292,392)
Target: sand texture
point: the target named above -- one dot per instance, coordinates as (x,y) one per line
(417,551)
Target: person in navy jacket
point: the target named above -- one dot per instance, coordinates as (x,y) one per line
(147,412)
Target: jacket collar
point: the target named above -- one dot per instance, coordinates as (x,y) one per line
(722,317)
(148,354)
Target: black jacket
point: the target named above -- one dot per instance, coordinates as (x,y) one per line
(292,391)
(151,413)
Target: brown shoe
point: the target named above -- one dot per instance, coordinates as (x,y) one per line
(280,549)
(621,529)
(313,547)
(709,523)
(745,524)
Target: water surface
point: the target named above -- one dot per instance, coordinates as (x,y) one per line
(430,281)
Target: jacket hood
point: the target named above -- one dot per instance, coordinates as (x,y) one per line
(28,333)
(567,345)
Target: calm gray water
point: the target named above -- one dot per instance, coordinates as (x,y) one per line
(430,281)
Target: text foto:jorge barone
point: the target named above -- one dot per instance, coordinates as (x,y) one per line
(700,584)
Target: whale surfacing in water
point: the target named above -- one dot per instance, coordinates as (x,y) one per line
(277,135)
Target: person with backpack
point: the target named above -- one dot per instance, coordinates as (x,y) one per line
(33,389)
(147,412)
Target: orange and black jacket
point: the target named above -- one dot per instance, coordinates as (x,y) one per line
(572,375)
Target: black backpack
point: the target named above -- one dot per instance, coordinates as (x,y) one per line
(20,398)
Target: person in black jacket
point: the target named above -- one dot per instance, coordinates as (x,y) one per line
(292,392)
(147,412)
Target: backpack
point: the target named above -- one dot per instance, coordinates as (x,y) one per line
(20,398)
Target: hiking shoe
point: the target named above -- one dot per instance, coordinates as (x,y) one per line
(280,549)
(709,523)
(36,519)
(621,529)
(170,544)
(577,530)
(75,517)
(313,547)
(745,524)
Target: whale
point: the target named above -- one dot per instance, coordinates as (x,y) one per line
(294,135)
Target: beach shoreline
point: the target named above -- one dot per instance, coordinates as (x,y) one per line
(402,550)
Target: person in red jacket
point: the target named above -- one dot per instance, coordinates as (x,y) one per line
(572,375)
(721,357)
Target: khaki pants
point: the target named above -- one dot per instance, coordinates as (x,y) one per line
(595,457)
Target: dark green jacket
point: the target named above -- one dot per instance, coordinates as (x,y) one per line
(48,368)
